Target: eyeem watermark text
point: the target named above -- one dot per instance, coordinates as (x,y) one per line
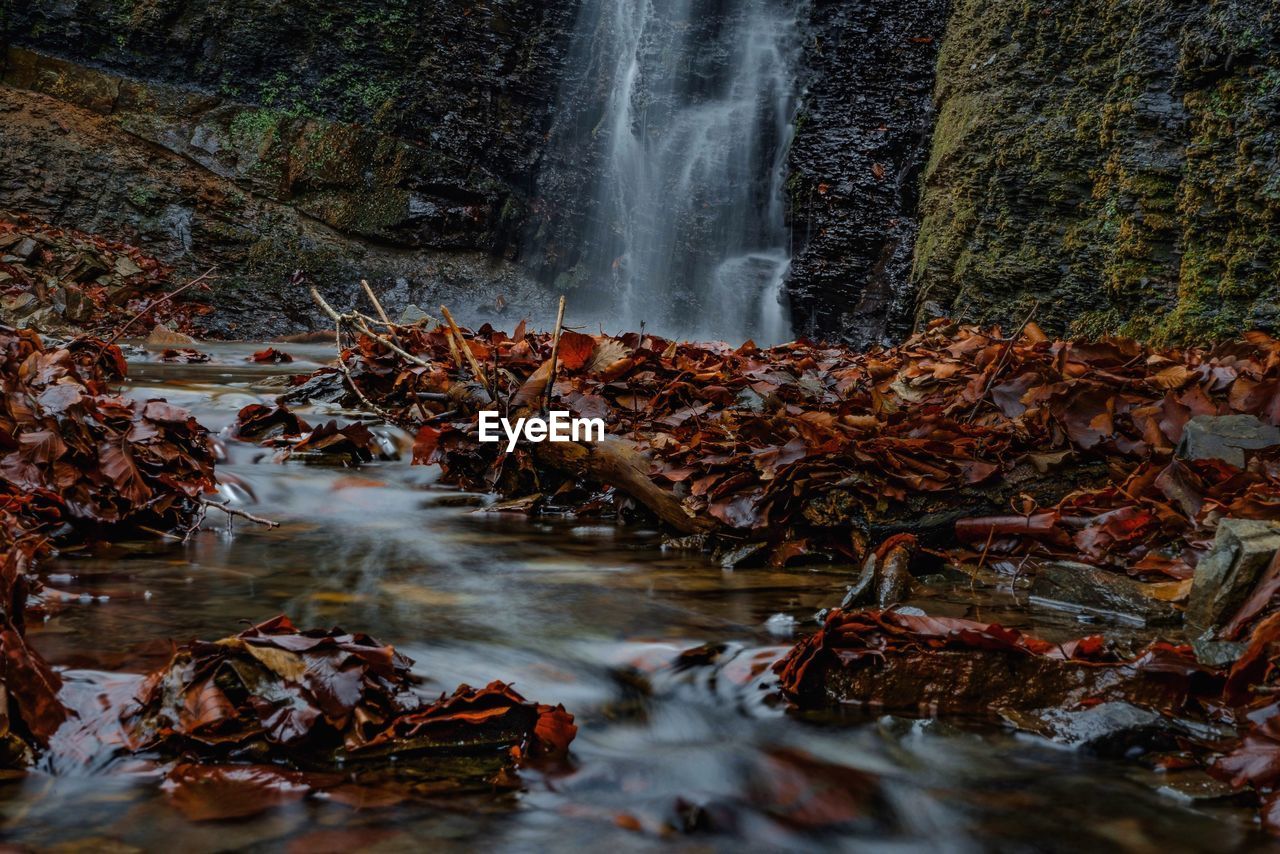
(558,426)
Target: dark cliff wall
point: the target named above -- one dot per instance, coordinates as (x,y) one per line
(401,140)
(1115,160)
(392,139)
(862,136)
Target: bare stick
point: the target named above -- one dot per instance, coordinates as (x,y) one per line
(324,306)
(155,304)
(476,370)
(233,511)
(453,349)
(555,352)
(373,298)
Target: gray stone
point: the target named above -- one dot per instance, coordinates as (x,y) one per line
(1079,587)
(1228,573)
(18,306)
(863,590)
(1094,728)
(1114,728)
(1226,438)
(1216,653)
(79,308)
(25,248)
(411,315)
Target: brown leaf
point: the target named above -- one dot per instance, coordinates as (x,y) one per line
(118,464)
(214,792)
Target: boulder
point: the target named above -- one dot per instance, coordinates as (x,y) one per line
(1225,576)
(25,248)
(1226,438)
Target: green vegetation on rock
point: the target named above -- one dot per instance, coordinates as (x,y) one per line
(1114,161)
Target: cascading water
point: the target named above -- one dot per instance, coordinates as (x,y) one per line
(680,114)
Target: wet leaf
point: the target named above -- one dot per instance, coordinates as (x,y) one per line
(216,792)
(271,356)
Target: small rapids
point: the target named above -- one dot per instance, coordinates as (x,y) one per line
(662,656)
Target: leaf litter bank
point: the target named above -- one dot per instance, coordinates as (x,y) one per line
(256,719)
(1002,453)
(960,444)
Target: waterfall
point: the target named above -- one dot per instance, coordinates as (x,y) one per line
(667,165)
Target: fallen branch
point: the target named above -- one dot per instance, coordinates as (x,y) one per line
(342,365)
(373,298)
(616,463)
(243,514)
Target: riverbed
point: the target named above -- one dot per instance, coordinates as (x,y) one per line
(690,750)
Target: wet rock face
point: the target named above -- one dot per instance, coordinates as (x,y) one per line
(462,89)
(391,140)
(862,137)
(1113,160)
(401,141)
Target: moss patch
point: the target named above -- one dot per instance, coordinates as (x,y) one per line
(1115,160)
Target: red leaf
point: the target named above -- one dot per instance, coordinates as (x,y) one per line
(575,349)
(425,445)
(271,355)
(118,464)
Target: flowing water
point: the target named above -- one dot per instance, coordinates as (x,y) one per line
(681,111)
(688,753)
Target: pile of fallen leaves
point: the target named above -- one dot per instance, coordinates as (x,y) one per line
(329,699)
(272,687)
(100,458)
(814,448)
(60,280)
(29,708)
(279,428)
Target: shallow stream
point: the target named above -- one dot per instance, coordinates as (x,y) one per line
(700,756)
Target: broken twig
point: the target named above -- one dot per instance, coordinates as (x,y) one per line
(555,352)
(373,298)
(154,304)
(476,370)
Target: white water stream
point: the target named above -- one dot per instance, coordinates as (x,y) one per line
(689,107)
